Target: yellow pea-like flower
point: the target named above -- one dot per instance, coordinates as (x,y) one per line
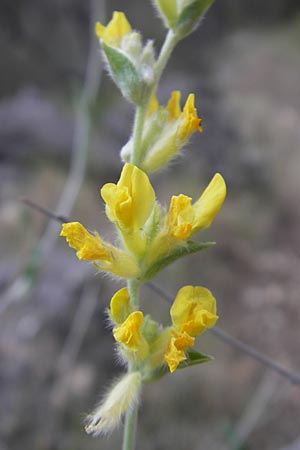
(171,127)
(184,218)
(128,334)
(129,204)
(114,31)
(193,310)
(120,306)
(105,256)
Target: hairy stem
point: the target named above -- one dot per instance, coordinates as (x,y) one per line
(130,426)
(165,53)
(133,289)
(139,120)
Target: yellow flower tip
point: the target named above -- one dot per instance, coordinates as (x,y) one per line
(193,310)
(88,246)
(153,105)
(191,122)
(120,306)
(173,105)
(209,203)
(129,332)
(175,352)
(99,29)
(113,32)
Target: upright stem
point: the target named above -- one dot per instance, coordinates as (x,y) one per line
(165,53)
(141,110)
(139,119)
(133,289)
(130,429)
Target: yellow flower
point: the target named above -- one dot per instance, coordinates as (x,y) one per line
(112,33)
(184,218)
(129,204)
(128,333)
(193,311)
(105,256)
(120,306)
(168,129)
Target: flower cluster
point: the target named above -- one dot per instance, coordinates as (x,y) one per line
(149,235)
(193,311)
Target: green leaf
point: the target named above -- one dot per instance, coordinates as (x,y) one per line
(193,358)
(190,16)
(179,252)
(168,11)
(124,73)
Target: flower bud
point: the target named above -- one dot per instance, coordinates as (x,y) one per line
(130,65)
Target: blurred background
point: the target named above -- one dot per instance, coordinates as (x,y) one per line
(56,353)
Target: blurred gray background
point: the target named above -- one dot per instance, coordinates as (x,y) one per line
(56,353)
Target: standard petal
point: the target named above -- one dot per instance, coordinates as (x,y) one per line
(208,205)
(193,310)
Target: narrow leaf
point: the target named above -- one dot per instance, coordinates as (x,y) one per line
(179,252)
(194,358)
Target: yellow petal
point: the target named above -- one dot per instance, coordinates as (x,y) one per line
(153,105)
(129,203)
(106,257)
(193,310)
(175,352)
(120,306)
(190,121)
(115,29)
(209,203)
(180,217)
(128,334)
(88,246)
(173,105)
(173,356)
